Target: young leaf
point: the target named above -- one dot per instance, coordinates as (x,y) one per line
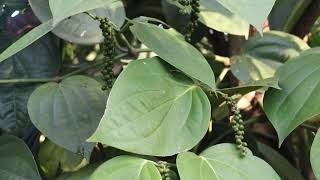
(255,12)
(16,160)
(175,51)
(154,110)
(297,101)
(314,155)
(27,39)
(223,162)
(124,167)
(69,109)
(214,15)
(62,9)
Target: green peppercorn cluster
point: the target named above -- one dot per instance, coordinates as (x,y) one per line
(194,16)
(237,125)
(164,170)
(108,52)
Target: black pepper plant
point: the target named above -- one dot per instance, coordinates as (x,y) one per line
(159,90)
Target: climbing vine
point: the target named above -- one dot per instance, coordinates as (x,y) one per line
(158,90)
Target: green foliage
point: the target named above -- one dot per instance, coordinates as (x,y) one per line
(175,51)
(279,163)
(297,100)
(122,167)
(16,160)
(169,84)
(286,13)
(14,97)
(246,9)
(151,89)
(223,161)
(80,28)
(61,9)
(216,16)
(26,40)
(262,56)
(314,154)
(52,159)
(70,109)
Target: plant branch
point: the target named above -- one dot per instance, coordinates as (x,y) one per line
(57,79)
(309,127)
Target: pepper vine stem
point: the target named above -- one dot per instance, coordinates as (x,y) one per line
(57,78)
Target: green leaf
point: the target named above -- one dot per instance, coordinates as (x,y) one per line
(255,12)
(81,28)
(249,87)
(281,165)
(123,167)
(298,99)
(223,162)
(215,16)
(82,174)
(275,45)
(14,118)
(27,39)
(62,9)
(248,68)
(286,13)
(53,158)
(68,112)
(314,155)
(16,160)
(143,106)
(262,56)
(175,51)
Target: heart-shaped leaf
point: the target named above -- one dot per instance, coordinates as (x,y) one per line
(154,110)
(16,160)
(175,51)
(223,162)
(123,167)
(297,101)
(314,155)
(69,109)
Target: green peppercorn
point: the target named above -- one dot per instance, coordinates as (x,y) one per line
(108,52)
(237,124)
